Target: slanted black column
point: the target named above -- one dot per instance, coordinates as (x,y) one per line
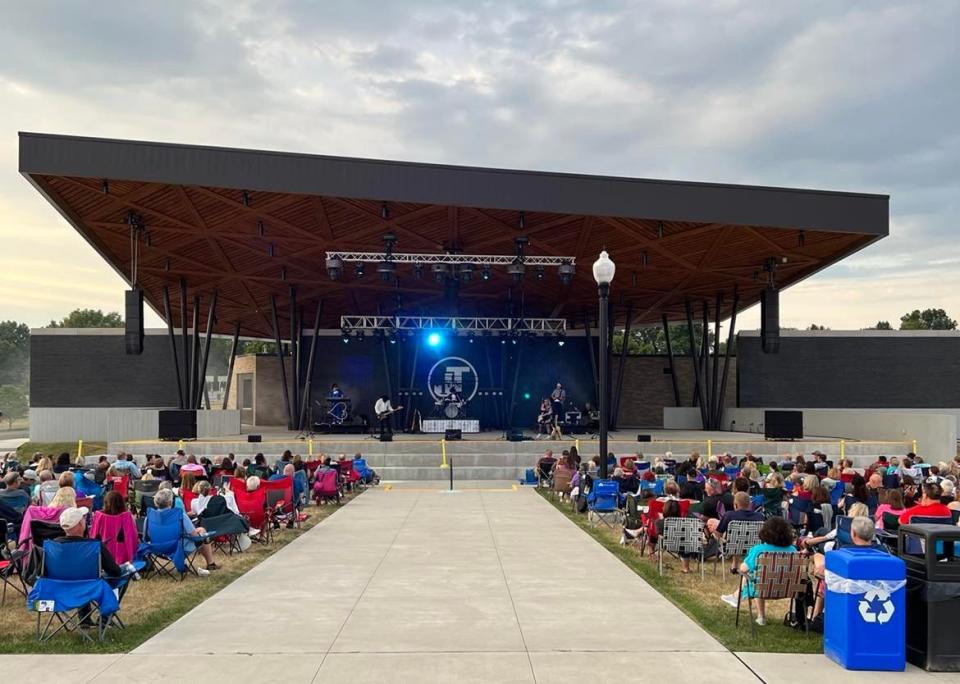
(173,343)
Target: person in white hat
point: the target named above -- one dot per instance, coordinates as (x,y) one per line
(74,524)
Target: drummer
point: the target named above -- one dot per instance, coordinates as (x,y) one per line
(335,392)
(454,396)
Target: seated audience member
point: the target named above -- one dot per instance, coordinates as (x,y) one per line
(43,463)
(125,465)
(546,460)
(827,538)
(742,484)
(776,536)
(164,500)
(115,527)
(692,489)
(226,464)
(285,458)
(821,501)
(63,464)
(260,467)
(299,465)
(29,481)
(158,468)
(880,465)
(67,479)
(45,490)
(857,492)
(862,533)
(628,482)
(929,505)
(299,486)
(713,498)
(253,483)
(671,509)
(193,467)
(741,511)
(187,482)
(891,501)
(177,501)
(12,495)
(948,494)
(73,522)
(66,497)
(100,474)
(240,472)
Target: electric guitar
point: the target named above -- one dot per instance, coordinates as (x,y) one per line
(384,414)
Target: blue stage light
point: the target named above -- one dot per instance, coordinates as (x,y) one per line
(434,339)
(526,396)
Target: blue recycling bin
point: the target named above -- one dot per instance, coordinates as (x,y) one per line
(865,610)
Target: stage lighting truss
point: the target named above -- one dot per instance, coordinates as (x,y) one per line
(391,326)
(448,265)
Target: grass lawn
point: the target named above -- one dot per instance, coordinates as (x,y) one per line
(149,605)
(701,600)
(28,449)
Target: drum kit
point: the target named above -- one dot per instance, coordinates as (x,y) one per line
(450,406)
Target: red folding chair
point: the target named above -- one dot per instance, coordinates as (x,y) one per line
(252,506)
(121,485)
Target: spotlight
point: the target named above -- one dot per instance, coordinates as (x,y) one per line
(485,273)
(503,340)
(526,396)
(541,272)
(418,270)
(393,340)
(434,339)
(384,211)
(513,341)
(360,269)
(345,338)
(386,270)
(561,342)
(440,272)
(466,272)
(566,273)
(334,268)
(516,270)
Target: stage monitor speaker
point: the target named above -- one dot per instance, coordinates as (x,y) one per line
(514,435)
(133,333)
(386,437)
(174,425)
(254,438)
(453,435)
(783,424)
(643,438)
(770,320)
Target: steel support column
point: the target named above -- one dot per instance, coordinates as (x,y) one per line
(294,357)
(194,354)
(716,361)
(308,380)
(233,357)
(705,362)
(673,370)
(726,356)
(208,337)
(173,343)
(593,359)
(620,369)
(185,341)
(697,394)
(283,371)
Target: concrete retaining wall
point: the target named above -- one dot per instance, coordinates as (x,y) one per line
(67,424)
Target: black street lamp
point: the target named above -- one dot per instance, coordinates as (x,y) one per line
(603,270)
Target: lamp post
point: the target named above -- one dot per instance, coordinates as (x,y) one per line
(603,270)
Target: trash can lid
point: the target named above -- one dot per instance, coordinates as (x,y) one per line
(864,562)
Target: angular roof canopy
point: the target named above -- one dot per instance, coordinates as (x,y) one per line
(251,224)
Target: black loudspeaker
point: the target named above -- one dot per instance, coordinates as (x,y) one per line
(386,437)
(133,334)
(254,438)
(514,435)
(453,435)
(783,424)
(175,425)
(643,438)
(770,320)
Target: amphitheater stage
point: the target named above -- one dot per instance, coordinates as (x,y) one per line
(488,456)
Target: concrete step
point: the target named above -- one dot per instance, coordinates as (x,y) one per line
(393,473)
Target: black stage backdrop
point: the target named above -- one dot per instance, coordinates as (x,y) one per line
(504,379)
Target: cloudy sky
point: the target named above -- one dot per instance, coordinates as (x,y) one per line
(860,96)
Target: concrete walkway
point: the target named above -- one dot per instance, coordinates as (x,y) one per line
(418,585)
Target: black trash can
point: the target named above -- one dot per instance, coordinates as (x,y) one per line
(933,595)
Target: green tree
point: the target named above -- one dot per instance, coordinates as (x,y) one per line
(883,325)
(14,353)
(814,326)
(89,318)
(928,319)
(257,347)
(651,340)
(13,403)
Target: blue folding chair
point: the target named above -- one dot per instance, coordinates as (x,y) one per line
(70,590)
(163,548)
(891,481)
(602,502)
(798,510)
(731,471)
(89,488)
(844,535)
(836,494)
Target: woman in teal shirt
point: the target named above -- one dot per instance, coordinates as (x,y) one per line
(776,536)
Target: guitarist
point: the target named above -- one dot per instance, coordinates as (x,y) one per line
(384,410)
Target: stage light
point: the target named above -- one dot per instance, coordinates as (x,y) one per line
(566,273)
(561,342)
(386,270)
(526,396)
(541,272)
(360,269)
(418,270)
(516,271)
(346,338)
(434,339)
(466,272)
(440,272)
(393,340)
(485,273)
(334,268)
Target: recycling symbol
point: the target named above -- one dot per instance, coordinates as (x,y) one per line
(876,607)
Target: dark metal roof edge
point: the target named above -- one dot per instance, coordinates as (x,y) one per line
(460,186)
(449,167)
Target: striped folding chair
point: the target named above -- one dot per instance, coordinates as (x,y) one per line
(681,536)
(778,576)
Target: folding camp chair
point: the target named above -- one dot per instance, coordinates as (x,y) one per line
(797,511)
(545,469)
(119,484)
(632,520)
(602,503)
(10,571)
(143,487)
(71,591)
(778,576)
(681,536)
(740,537)
(836,494)
(560,482)
(325,487)
(164,543)
(252,506)
(280,504)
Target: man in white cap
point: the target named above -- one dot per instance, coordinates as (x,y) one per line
(74,524)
